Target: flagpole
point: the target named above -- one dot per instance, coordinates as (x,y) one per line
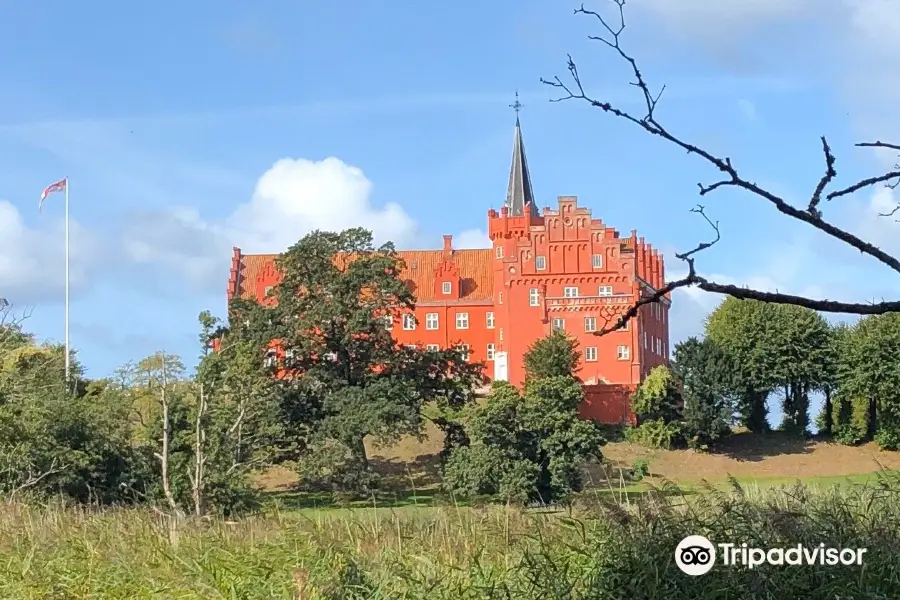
(67,282)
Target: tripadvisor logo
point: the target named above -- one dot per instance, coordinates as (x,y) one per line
(696,555)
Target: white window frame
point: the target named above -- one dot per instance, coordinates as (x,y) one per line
(432,321)
(597,261)
(534,297)
(558,325)
(271,357)
(540,263)
(489,320)
(605,290)
(645,339)
(447,288)
(499,252)
(570,291)
(590,354)
(465,351)
(590,324)
(462,320)
(623,353)
(409,322)
(411,346)
(490,352)
(388,321)
(432,348)
(499,297)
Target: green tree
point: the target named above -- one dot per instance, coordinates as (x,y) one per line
(802,339)
(706,377)
(556,355)
(870,380)
(53,441)
(345,377)
(532,445)
(236,417)
(838,340)
(743,329)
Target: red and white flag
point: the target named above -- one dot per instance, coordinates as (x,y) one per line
(59,186)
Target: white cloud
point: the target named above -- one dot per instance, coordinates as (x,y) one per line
(472,238)
(32,261)
(297,196)
(291,199)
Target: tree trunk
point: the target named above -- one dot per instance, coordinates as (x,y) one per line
(164,455)
(828,425)
(199,458)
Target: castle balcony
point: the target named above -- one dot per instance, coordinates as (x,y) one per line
(563,303)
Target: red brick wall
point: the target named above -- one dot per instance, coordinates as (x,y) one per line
(608,404)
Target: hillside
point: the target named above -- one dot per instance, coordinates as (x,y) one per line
(745,456)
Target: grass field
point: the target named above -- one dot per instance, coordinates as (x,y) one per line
(596,551)
(411,468)
(412,542)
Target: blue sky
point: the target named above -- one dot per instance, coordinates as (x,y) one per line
(187,129)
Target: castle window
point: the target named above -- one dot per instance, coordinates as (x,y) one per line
(388,321)
(623,353)
(411,346)
(559,325)
(499,251)
(431,321)
(590,354)
(499,297)
(605,290)
(597,261)
(409,322)
(534,298)
(464,348)
(490,352)
(271,358)
(462,320)
(540,263)
(432,348)
(489,320)
(268,291)
(590,324)
(501,334)
(570,292)
(447,287)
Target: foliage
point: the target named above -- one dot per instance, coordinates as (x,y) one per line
(707,382)
(527,446)
(772,347)
(658,397)
(53,442)
(555,355)
(640,469)
(598,551)
(340,364)
(657,433)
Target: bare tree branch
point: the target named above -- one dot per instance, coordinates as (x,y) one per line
(811,214)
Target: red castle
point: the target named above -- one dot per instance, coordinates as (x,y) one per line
(546,270)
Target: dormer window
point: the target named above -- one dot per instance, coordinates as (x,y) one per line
(447,288)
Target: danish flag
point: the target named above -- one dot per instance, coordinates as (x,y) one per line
(59,186)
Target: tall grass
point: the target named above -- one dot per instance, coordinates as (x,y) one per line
(597,550)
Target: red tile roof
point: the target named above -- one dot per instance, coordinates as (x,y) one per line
(474,271)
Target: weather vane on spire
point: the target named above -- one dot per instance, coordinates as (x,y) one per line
(516,106)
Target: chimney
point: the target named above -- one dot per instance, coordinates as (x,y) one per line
(448,244)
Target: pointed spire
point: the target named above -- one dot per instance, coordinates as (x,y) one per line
(519,192)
